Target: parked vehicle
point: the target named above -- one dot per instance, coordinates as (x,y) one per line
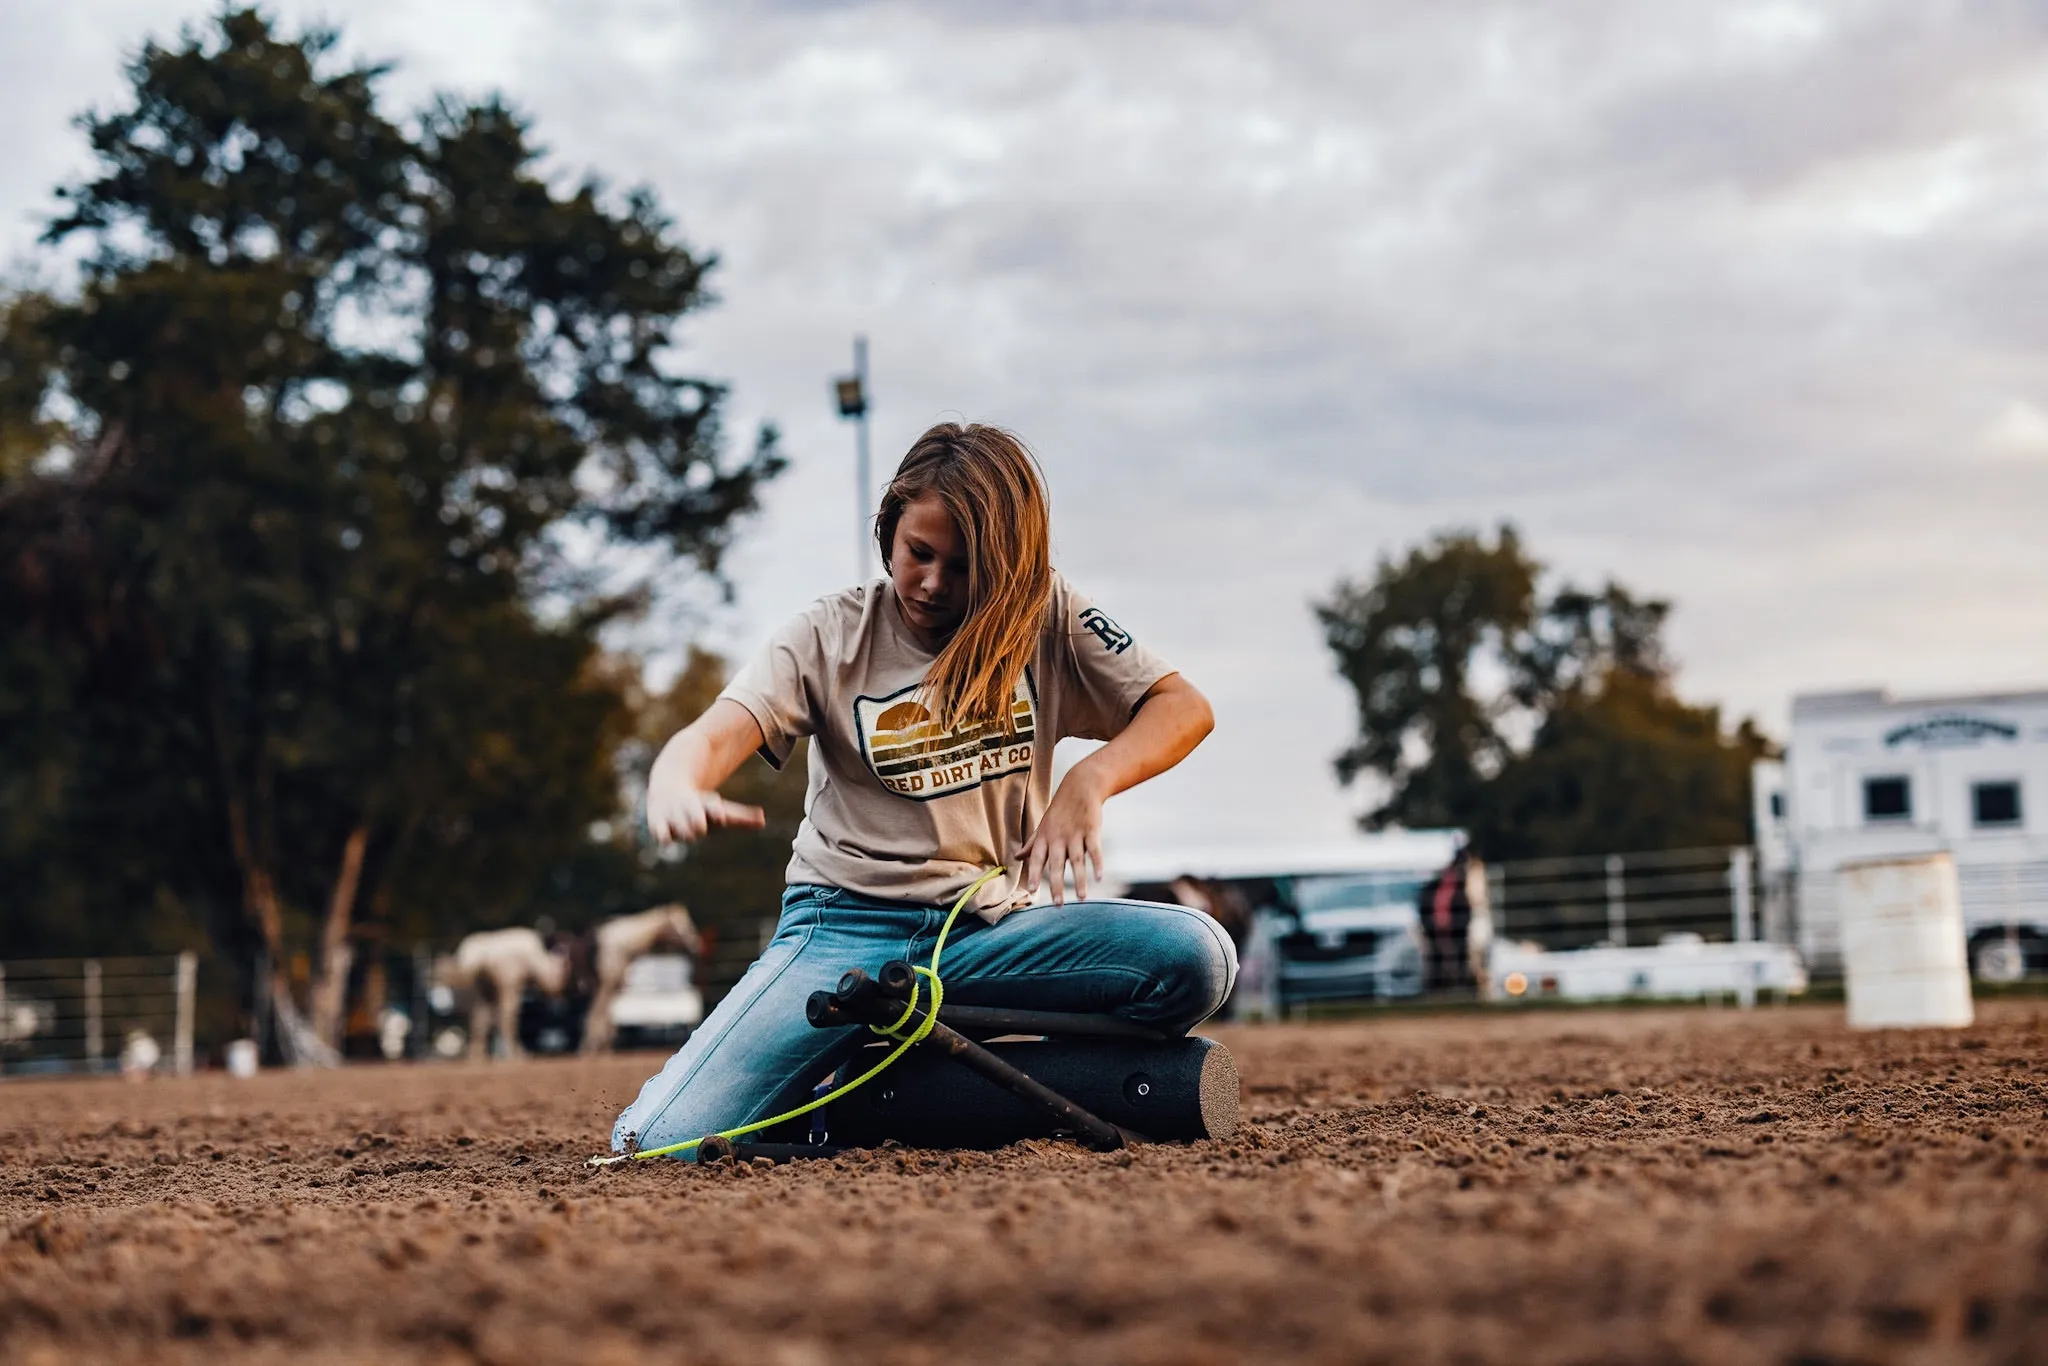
(1353,936)
(1331,920)
(659,1004)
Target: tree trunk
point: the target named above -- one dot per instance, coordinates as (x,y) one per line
(330,989)
(259,901)
(259,895)
(260,904)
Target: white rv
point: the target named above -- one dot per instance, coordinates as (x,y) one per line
(1869,775)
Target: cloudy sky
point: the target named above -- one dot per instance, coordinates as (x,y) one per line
(1744,303)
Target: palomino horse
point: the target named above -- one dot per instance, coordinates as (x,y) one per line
(617,942)
(495,966)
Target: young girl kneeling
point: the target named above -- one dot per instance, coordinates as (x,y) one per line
(933,698)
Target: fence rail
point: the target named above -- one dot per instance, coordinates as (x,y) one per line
(1627,900)
(133,1014)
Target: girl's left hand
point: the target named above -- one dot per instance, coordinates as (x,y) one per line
(1069,836)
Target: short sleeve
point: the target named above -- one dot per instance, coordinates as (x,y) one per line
(1104,670)
(776,685)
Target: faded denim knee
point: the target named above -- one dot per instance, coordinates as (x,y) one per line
(1194,966)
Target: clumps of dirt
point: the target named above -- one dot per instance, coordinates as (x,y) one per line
(1693,1185)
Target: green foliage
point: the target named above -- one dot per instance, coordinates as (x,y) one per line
(1407,642)
(284,491)
(1624,766)
(1541,726)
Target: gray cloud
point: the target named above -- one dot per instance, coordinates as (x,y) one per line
(1736,302)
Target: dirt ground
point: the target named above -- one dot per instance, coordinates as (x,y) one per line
(1561,1186)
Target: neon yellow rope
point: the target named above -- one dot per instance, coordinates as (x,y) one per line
(892,1030)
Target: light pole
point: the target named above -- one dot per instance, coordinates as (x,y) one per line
(852,392)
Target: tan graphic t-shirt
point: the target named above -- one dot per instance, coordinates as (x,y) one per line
(898,807)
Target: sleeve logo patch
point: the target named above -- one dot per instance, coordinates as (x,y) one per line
(1114,638)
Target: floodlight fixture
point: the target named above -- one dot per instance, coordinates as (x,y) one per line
(853,400)
(851,391)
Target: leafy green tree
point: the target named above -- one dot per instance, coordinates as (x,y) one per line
(1626,766)
(1541,725)
(1412,642)
(285,492)
(1579,640)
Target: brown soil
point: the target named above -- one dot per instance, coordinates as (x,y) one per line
(1689,1185)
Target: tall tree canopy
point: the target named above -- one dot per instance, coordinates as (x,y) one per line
(1542,725)
(287,490)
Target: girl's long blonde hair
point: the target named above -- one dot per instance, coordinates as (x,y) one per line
(992,489)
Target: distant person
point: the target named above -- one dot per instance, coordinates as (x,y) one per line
(1445,906)
(1478,924)
(933,696)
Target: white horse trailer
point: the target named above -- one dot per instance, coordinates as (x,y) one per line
(1872,776)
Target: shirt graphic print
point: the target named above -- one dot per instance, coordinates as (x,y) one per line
(913,756)
(897,806)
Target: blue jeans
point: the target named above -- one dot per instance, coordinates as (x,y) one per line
(756,1055)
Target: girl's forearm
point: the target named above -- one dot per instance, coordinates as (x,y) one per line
(710,749)
(1171,720)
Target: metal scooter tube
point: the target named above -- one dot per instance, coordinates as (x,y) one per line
(896,977)
(861,999)
(1098,1134)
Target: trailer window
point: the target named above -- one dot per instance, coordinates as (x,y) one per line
(1995,804)
(1887,799)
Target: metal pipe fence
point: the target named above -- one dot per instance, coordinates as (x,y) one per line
(1628,900)
(87,1015)
(1684,923)
(1669,924)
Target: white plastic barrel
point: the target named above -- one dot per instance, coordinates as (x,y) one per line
(1903,956)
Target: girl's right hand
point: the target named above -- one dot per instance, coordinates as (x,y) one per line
(678,811)
(682,788)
